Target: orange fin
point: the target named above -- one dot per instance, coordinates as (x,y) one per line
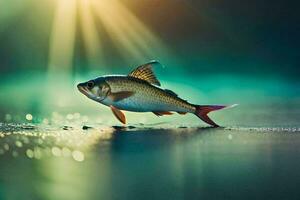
(161,113)
(118,114)
(118,96)
(182,113)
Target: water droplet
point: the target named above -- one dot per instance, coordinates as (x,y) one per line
(19,143)
(37,153)
(15,154)
(69,116)
(6,147)
(40,141)
(56,151)
(45,121)
(66,152)
(29,117)
(78,156)
(29,153)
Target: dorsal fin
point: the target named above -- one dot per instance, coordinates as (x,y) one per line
(144,72)
(171,92)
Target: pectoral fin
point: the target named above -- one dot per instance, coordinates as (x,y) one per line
(118,96)
(118,114)
(162,113)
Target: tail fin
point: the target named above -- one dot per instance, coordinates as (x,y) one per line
(202,111)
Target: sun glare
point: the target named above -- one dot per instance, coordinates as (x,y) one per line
(129,35)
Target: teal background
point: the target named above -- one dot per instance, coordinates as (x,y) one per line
(224,52)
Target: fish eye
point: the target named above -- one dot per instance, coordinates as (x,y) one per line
(90,84)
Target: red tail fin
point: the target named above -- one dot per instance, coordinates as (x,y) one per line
(202,111)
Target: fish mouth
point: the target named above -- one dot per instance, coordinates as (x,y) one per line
(82,89)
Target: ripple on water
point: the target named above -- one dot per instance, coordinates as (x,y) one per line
(265,129)
(75,141)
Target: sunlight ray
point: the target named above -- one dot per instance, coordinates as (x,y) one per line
(62,38)
(90,35)
(137,31)
(108,14)
(128,32)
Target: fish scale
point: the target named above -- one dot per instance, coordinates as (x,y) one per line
(146,97)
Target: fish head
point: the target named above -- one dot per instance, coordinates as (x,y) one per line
(96,89)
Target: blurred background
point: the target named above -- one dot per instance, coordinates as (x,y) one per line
(213,52)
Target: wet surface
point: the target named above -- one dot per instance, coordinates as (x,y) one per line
(140,162)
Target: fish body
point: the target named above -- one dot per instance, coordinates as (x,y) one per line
(145,98)
(140,91)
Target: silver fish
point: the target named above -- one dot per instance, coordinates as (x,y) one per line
(139,91)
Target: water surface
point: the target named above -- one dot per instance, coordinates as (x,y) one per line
(43,162)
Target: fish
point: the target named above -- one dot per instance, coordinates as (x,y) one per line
(141,91)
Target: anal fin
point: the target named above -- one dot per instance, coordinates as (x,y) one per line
(118,114)
(161,113)
(182,113)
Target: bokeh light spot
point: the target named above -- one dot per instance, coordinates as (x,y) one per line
(56,151)
(78,156)
(29,117)
(29,153)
